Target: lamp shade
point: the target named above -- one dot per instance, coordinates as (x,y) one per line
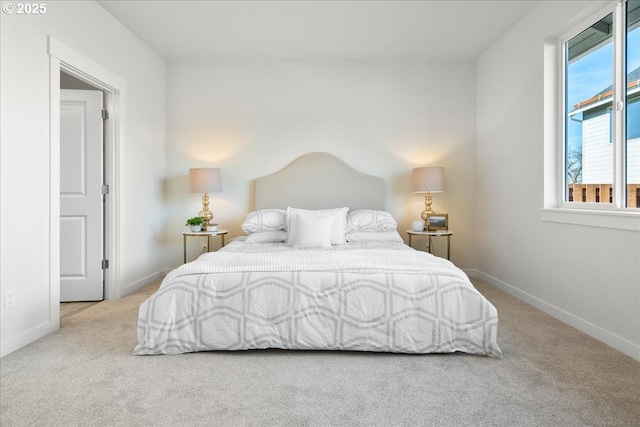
(428,179)
(205,180)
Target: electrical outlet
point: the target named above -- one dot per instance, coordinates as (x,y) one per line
(505,258)
(10,298)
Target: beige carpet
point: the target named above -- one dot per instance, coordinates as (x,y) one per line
(551,375)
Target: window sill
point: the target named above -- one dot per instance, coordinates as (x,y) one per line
(593,218)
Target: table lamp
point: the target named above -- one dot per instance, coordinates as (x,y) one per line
(428,180)
(205,180)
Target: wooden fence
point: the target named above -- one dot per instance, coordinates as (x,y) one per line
(602,193)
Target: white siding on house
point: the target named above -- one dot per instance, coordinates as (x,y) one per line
(597,150)
(633,161)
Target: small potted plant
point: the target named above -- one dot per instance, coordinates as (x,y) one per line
(195,223)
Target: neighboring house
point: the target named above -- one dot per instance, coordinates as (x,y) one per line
(596,116)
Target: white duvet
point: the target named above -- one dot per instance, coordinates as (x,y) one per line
(369,297)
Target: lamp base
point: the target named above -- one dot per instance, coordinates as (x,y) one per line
(205,213)
(206,216)
(427,207)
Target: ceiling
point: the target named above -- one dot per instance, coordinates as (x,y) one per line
(322,29)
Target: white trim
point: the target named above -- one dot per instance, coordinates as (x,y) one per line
(621,344)
(114,133)
(86,69)
(16,342)
(471,272)
(76,64)
(54,196)
(620,220)
(619,95)
(553,128)
(145,281)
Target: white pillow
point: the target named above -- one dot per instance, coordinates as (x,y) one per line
(313,232)
(267,237)
(370,220)
(375,236)
(264,220)
(337,231)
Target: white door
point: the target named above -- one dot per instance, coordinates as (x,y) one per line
(81,208)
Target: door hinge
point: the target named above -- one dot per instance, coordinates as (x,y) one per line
(105,189)
(105,264)
(105,114)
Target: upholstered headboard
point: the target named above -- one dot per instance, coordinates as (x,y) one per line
(319,181)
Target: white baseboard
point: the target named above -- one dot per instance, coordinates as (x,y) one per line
(144,281)
(471,272)
(12,344)
(621,344)
(27,337)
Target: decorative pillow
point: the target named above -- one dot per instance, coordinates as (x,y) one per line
(264,220)
(267,237)
(370,221)
(313,232)
(372,236)
(339,216)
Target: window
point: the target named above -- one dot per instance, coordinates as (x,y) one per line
(601,110)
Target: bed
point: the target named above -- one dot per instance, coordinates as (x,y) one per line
(322,267)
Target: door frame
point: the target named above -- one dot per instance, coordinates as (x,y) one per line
(63,58)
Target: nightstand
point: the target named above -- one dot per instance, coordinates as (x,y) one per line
(208,234)
(432,234)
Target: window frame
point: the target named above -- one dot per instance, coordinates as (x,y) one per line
(554,210)
(617,10)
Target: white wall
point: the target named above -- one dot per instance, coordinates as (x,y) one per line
(24,155)
(382,118)
(586,276)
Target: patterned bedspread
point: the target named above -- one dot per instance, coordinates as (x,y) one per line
(367,297)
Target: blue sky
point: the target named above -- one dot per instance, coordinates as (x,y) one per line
(593,73)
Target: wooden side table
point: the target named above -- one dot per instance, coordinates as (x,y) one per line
(208,234)
(432,234)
